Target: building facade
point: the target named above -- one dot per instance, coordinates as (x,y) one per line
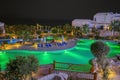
(2,27)
(99,20)
(81,22)
(104,19)
(116,16)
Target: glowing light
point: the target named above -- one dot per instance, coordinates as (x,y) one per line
(18,45)
(35,46)
(4,52)
(66,52)
(45,53)
(112,74)
(80,48)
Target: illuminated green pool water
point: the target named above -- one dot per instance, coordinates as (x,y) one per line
(80,54)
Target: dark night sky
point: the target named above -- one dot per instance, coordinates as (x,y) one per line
(31,11)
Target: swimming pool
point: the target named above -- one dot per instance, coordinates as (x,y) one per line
(80,54)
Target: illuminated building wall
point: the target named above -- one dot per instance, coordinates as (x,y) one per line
(2,27)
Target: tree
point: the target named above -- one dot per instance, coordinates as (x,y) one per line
(115,26)
(85,29)
(54,30)
(78,32)
(1,31)
(21,67)
(100,50)
(25,35)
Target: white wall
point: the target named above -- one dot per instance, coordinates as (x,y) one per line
(116,16)
(99,19)
(103,17)
(2,27)
(81,22)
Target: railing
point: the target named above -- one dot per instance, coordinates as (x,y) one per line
(71,67)
(78,71)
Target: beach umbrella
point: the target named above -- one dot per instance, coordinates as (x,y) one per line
(44,40)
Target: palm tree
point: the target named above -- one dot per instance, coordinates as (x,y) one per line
(100,50)
(115,26)
(25,35)
(6,28)
(78,32)
(85,29)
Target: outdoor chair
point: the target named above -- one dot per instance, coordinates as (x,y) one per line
(50,45)
(60,44)
(64,43)
(47,45)
(40,45)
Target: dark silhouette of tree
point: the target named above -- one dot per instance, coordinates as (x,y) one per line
(100,50)
(21,67)
(85,29)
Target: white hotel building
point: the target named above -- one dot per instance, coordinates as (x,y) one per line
(81,22)
(99,20)
(2,27)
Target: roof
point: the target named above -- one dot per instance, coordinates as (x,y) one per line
(104,13)
(83,20)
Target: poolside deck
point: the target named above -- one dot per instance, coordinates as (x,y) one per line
(70,44)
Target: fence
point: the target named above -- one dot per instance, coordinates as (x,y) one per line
(71,67)
(76,71)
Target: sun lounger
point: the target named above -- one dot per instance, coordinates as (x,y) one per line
(60,44)
(40,45)
(64,43)
(48,45)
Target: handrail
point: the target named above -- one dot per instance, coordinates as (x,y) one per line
(71,72)
(71,67)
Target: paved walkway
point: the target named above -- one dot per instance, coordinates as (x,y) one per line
(70,44)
